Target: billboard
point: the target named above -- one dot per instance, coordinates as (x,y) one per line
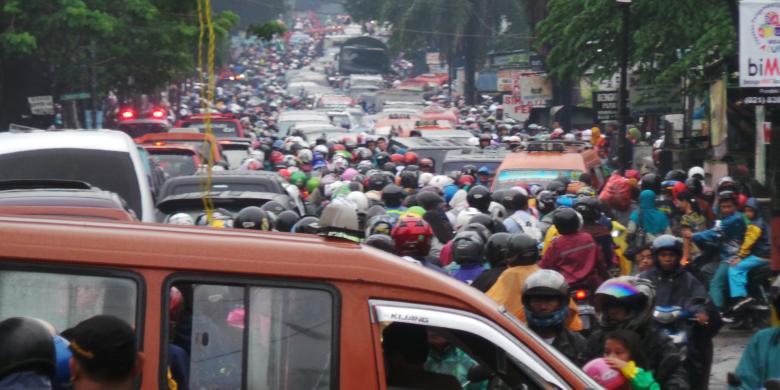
(527,91)
(759,44)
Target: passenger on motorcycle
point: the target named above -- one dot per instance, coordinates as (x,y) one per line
(675,286)
(627,302)
(545,302)
(754,252)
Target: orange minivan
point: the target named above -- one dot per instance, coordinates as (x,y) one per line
(252,310)
(540,162)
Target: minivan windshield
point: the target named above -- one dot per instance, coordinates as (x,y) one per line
(514,177)
(109,170)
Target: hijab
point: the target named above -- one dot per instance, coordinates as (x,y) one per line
(654,221)
(595,136)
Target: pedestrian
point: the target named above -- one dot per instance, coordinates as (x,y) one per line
(105,354)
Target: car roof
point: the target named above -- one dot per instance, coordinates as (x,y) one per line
(544,160)
(107,140)
(92,197)
(430,143)
(476,154)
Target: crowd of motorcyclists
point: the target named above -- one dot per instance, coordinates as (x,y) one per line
(664,260)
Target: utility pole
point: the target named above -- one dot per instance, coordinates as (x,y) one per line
(623,115)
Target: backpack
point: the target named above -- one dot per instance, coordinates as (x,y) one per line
(616,193)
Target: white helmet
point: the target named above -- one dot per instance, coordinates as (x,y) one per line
(473,141)
(696,171)
(441,181)
(322,149)
(569,137)
(183,219)
(425,179)
(497,210)
(587,135)
(465,216)
(360,200)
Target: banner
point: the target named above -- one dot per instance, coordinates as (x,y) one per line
(759,44)
(41,105)
(528,92)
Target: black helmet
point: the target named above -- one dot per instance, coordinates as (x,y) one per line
(252,217)
(519,200)
(382,242)
(389,167)
(382,158)
(694,186)
(557,187)
(393,195)
(380,224)
(286,220)
(274,207)
(667,241)
(479,198)
(493,225)
(467,248)
(589,209)
(525,247)
(469,169)
(478,228)
(545,201)
(651,181)
(566,221)
(307,225)
(378,181)
(429,200)
(26,346)
(497,249)
(408,179)
(676,175)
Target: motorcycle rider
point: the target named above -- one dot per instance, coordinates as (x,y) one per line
(675,286)
(545,302)
(468,250)
(521,221)
(627,302)
(761,359)
(496,253)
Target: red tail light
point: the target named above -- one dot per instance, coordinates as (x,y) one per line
(127,114)
(580,294)
(158,113)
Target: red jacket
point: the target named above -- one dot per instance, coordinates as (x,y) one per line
(578,258)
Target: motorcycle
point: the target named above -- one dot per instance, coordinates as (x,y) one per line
(581,295)
(670,320)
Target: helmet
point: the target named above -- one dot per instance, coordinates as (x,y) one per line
(181,219)
(305,155)
(465,216)
(286,220)
(340,219)
(252,217)
(27,345)
(382,158)
(410,158)
(359,199)
(412,236)
(635,295)
(307,225)
(696,172)
(393,195)
(525,247)
(380,224)
(546,283)
(604,375)
(726,183)
(545,201)
(651,181)
(441,181)
(276,157)
(298,179)
(274,207)
(381,242)
(397,158)
(676,174)
(363,154)
(667,241)
(378,181)
(487,221)
(312,184)
(566,221)
(497,249)
(589,209)
(425,179)
(497,210)
(426,164)
(408,179)
(518,200)
(466,180)
(348,174)
(389,167)
(557,187)
(467,248)
(429,199)
(469,169)
(479,198)
(694,186)
(251,164)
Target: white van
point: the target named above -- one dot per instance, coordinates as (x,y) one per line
(288,119)
(103,158)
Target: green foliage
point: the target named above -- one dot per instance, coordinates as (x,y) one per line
(267,30)
(669,39)
(151,41)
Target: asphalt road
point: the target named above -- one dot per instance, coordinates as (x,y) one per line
(729,345)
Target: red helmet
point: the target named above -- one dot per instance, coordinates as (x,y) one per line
(466,180)
(426,163)
(276,157)
(285,174)
(339,147)
(410,158)
(397,158)
(412,236)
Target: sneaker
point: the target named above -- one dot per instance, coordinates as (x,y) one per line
(741,303)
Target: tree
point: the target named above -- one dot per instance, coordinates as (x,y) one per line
(670,39)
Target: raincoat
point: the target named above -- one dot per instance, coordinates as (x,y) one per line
(654,221)
(761,359)
(507,291)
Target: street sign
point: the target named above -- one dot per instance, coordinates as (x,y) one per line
(760,96)
(41,105)
(759,44)
(75,96)
(605,106)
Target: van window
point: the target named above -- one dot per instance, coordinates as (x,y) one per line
(514,177)
(64,300)
(252,337)
(108,170)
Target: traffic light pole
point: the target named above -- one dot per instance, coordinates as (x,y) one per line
(623,116)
